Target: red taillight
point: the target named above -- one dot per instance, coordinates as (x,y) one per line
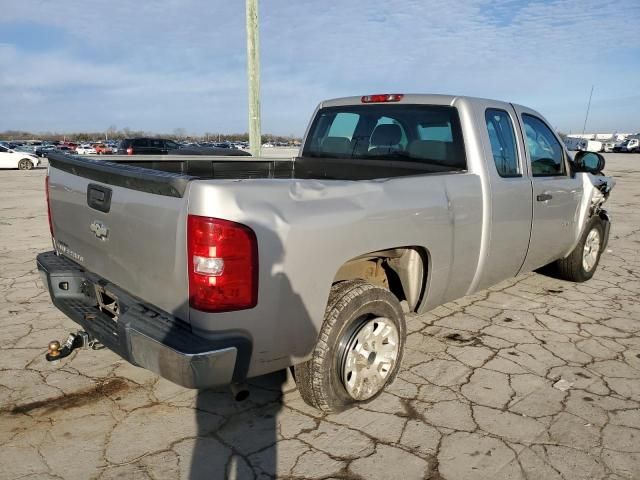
(130,151)
(382,98)
(46,191)
(223,265)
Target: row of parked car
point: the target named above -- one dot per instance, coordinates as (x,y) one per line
(628,145)
(99,148)
(127,146)
(26,156)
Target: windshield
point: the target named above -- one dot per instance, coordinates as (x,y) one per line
(428,134)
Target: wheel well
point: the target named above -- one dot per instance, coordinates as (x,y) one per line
(403,271)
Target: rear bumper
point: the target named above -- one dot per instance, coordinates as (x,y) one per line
(142,334)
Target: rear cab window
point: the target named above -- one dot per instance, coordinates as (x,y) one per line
(422,134)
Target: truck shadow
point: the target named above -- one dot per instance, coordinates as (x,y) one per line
(238,440)
(244,445)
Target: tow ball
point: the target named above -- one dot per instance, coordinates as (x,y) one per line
(80,339)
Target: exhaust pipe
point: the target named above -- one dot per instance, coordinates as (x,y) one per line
(240,391)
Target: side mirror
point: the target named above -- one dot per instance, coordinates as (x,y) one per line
(590,162)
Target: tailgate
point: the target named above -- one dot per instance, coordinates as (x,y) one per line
(134,232)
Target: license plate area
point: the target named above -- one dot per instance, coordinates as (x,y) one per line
(107,302)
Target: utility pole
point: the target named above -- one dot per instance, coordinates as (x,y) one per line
(584,127)
(253,73)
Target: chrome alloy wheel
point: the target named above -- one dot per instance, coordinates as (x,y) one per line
(369,356)
(591,250)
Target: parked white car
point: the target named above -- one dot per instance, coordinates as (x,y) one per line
(633,145)
(85,150)
(21,160)
(591,146)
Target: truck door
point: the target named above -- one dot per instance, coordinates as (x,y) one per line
(510,194)
(556,195)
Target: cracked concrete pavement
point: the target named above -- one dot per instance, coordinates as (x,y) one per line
(534,378)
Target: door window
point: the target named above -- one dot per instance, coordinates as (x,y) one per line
(503,142)
(544,149)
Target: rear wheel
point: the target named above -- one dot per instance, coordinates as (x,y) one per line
(25,164)
(359,349)
(583,261)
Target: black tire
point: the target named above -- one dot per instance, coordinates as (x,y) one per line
(572,267)
(351,305)
(25,164)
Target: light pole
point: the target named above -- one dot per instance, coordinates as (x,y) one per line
(253,74)
(584,127)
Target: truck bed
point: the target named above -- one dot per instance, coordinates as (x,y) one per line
(183,168)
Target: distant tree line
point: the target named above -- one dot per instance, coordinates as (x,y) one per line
(113,133)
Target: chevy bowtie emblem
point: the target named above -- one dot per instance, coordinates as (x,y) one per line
(100,230)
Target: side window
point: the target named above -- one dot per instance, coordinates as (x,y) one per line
(140,142)
(545,151)
(503,142)
(155,143)
(3,149)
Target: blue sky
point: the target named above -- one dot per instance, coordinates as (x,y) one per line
(73,65)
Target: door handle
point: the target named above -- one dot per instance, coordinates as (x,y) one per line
(543,197)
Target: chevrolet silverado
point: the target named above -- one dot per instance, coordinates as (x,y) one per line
(212,270)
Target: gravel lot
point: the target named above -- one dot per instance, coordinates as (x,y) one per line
(535,378)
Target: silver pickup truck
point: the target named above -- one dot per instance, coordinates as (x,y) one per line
(212,270)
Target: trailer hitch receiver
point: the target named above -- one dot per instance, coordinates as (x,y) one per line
(79,339)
